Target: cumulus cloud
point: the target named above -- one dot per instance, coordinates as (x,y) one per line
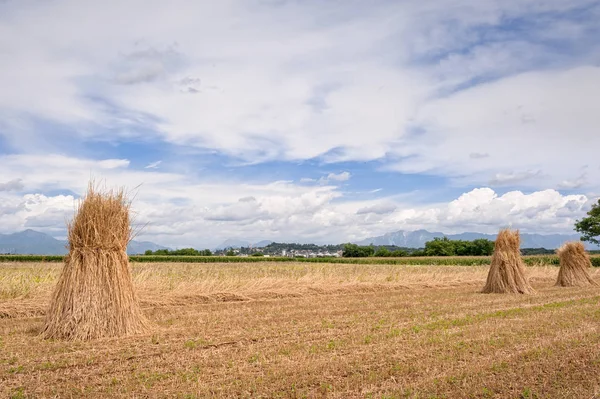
(36,211)
(483,209)
(214,211)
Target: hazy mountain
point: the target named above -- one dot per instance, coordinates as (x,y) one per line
(262,244)
(35,243)
(139,247)
(418,238)
(31,242)
(235,243)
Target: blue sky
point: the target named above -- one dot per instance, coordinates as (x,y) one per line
(309,121)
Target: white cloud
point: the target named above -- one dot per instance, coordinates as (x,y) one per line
(420,86)
(178,211)
(35,211)
(153,165)
(263,81)
(380,208)
(574,183)
(513,178)
(13,185)
(536,128)
(246,209)
(333,177)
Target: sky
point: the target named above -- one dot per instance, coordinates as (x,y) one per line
(301,120)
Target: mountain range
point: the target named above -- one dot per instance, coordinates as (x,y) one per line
(418,238)
(35,243)
(235,243)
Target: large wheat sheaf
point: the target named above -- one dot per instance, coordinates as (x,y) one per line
(94,296)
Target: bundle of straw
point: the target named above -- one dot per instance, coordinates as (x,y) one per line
(94,296)
(574,266)
(507,271)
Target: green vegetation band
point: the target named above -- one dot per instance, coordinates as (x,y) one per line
(456,261)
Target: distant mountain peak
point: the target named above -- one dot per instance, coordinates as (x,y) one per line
(238,243)
(418,238)
(32,242)
(262,244)
(32,233)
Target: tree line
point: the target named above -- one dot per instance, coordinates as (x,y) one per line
(437,247)
(180,252)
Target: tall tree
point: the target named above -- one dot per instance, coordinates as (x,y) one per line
(589,226)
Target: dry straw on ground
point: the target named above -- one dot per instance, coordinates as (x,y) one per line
(507,271)
(94,296)
(574,266)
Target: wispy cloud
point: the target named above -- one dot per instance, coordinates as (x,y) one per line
(153,165)
(513,177)
(573,183)
(13,185)
(381,208)
(335,177)
(478,155)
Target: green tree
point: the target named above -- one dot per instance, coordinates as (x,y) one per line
(357,251)
(462,248)
(230,253)
(368,251)
(589,226)
(446,247)
(482,247)
(440,247)
(351,251)
(383,252)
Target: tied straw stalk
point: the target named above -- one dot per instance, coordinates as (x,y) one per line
(507,270)
(574,266)
(94,296)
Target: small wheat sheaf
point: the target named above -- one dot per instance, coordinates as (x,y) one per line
(507,271)
(575,266)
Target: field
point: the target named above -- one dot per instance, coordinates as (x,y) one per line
(294,330)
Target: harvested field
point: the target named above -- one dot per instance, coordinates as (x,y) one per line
(298,330)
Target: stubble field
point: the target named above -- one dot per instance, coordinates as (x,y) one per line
(298,330)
